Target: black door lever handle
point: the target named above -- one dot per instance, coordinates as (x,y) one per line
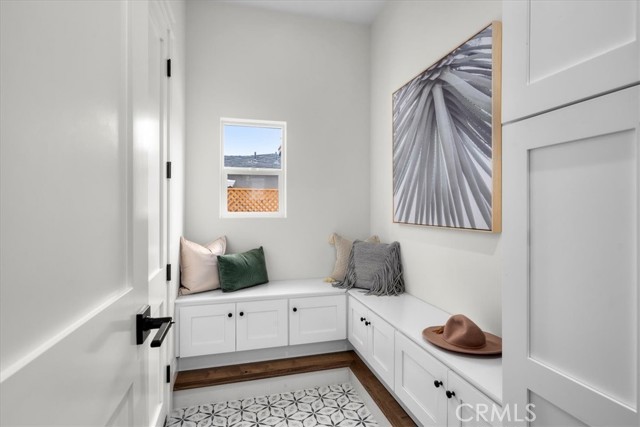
(144,323)
(162,331)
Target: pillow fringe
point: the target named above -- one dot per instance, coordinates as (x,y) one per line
(350,276)
(388,280)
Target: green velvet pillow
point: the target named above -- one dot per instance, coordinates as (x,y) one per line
(238,271)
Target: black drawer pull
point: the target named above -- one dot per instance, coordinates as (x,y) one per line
(437,383)
(362,319)
(450,394)
(367,323)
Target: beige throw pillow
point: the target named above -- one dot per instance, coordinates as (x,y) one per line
(343,249)
(199,265)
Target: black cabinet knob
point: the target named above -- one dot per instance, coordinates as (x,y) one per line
(230,315)
(450,394)
(367,323)
(241,313)
(437,383)
(295,309)
(362,319)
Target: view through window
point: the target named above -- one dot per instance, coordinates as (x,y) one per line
(253,171)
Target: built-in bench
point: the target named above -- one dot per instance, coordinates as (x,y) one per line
(438,387)
(280,318)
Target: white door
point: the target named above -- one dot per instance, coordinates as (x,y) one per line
(74,246)
(207,329)
(415,374)
(468,407)
(380,353)
(357,330)
(317,319)
(562,51)
(261,324)
(570,289)
(158,147)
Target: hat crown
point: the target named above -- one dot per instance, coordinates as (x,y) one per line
(463,332)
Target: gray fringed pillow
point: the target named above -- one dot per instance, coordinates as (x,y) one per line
(375,267)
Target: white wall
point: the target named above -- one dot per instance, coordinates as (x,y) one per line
(312,73)
(458,271)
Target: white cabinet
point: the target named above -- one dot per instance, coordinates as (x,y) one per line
(558,52)
(207,329)
(277,314)
(436,395)
(357,329)
(317,319)
(468,407)
(373,338)
(222,328)
(261,324)
(416,375)
(571,261)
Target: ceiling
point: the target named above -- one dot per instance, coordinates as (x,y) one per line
(358,11)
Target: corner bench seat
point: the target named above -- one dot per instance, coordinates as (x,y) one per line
(278,319)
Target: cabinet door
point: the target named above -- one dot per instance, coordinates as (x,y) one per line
(317,319)
(570,310)
(207,329)
(381,337)
(261,324)
(558,52)
(357,329)
(469,407)
(415,374)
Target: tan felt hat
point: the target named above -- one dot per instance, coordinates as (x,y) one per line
(460,334)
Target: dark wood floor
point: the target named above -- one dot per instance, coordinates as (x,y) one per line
(299,365)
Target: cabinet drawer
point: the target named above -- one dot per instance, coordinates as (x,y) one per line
(317,319)
(207,329)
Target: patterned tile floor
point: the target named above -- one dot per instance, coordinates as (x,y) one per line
(335,405)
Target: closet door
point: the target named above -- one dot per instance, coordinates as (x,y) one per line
(570,292)
(559,52)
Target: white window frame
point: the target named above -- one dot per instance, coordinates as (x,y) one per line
(280,173)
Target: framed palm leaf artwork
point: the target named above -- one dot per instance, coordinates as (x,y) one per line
(447,139)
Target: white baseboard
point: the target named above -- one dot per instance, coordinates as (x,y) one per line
(213,360)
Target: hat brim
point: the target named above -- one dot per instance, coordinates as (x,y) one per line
(492,347)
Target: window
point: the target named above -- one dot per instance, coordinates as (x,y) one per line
(253,181)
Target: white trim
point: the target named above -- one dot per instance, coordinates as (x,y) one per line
(280,173)
(12,369)
(260,355)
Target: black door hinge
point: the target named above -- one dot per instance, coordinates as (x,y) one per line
(168,272)
(168,170)
(168,68)
(168,374)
